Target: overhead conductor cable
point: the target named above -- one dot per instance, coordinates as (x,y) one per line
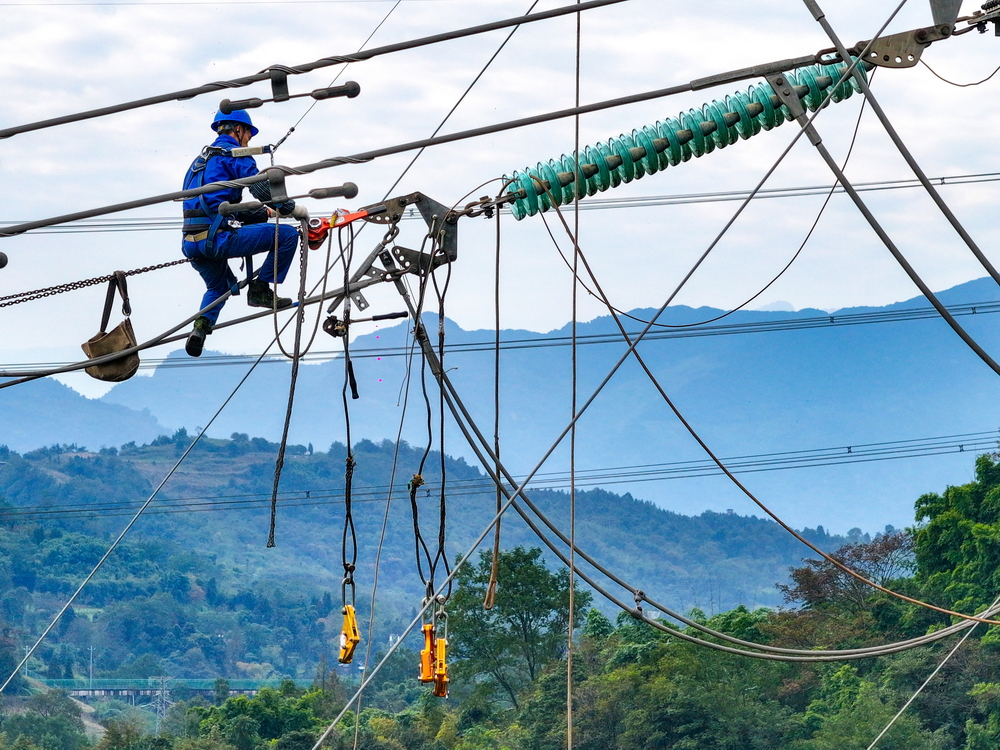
(279,72)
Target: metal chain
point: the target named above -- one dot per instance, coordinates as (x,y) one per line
(14,299)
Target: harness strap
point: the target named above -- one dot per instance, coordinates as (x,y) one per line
(204,216)
(117,283)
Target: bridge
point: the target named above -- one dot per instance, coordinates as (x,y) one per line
(130,690)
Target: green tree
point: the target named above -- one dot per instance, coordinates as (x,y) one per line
(221,691)
(51,721)
(510,644)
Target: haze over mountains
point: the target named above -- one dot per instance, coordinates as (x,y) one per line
(757,389)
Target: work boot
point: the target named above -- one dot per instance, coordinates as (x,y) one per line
(259,294)
(196,340)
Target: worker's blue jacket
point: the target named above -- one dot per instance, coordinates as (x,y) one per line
(204,229)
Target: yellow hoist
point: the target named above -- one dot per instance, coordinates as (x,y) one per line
(349,635)
(434,654)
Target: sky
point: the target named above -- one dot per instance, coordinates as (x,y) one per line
(57,58)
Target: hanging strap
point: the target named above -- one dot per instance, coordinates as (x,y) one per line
(117,282)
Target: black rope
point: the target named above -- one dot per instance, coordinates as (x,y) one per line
(418,481)
(441,292)
(300,312)
(349,559)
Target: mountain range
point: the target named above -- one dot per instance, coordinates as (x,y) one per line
(753,383)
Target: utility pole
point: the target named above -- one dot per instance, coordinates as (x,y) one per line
(90,683)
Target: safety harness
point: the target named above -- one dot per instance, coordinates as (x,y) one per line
(203,223)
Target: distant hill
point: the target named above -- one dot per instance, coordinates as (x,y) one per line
(216,510)
(747,393)
(43,412)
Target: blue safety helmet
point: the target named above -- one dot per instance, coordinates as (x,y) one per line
(237,115)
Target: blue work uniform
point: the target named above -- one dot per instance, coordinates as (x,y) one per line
(210,240)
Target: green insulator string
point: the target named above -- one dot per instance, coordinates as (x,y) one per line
(669,142)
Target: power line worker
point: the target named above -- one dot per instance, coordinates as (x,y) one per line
(210,239)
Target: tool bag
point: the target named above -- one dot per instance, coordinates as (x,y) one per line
(118,339)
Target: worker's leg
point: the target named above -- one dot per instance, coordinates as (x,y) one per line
(259,238)
(218,279)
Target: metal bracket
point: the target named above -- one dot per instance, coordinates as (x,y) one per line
(903,50)
(945,11)
(390,211)
(784,90)
(441,223)
(359,301)
(411,260)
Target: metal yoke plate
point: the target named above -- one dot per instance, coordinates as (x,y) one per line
(903,50)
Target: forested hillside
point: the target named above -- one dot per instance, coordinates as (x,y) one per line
(632,686)
(194,592)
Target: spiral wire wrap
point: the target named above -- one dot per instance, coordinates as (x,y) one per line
(669,142)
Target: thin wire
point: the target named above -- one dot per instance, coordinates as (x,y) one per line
(960,85)
(964,443)
(324,62)
(980,256)
(491,587)
(725,470)
(573,396)
(335,79)
(927,681)
(460,100)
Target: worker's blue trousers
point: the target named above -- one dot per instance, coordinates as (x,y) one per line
(251,239)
